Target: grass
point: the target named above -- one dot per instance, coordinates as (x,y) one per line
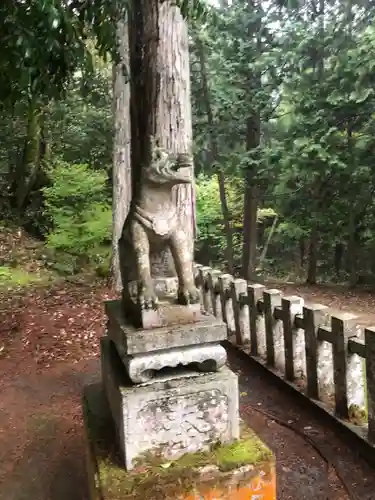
(13,277)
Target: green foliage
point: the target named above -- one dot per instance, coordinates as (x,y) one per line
(192,9)
(211,236)
(302,70)
(11,277)
(307,72)
(80,213)
(45,42)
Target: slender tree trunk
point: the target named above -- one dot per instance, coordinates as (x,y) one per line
(313,255)
(251,202)
(302,252)
(263,256)
(31,156)
(122,191)
(353,245)
(251,198)
(318,66)
(215,160)
(166,107)
(339,252)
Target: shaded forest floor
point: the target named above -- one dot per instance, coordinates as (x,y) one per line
(49,349)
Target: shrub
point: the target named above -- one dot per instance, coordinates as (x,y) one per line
(79,212)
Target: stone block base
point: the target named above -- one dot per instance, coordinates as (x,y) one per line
(169,417)
(241,470)
(181,329)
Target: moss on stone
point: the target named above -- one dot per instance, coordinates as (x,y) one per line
(155,478)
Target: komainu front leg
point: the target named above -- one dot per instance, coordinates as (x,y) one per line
(188,293)
(146,295)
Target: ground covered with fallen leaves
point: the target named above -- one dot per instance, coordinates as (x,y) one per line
(49,340)
(49,349)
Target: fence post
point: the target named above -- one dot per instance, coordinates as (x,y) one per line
(213,285)
(274,333)
(225,281)
(370,381)
(197,276)
(255,293)
(343,327)
(313,317)
(240,311)
(291,306)
(205,292)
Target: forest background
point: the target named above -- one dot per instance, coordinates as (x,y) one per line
(284,137)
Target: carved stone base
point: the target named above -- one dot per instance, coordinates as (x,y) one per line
(252,473)
(169,418)
(204,358)
(182,328)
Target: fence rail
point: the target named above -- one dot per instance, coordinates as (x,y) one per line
(325,356)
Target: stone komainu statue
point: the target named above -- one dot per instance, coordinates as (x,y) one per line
(152,225)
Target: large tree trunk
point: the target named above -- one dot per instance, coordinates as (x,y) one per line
(164,95)
(215,160)
(122,191)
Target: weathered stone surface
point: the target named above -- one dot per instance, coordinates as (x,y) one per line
(205,357)
(185,328)
(140,317)
(170,417)
(217,474)
(348,368)
(167,312)
(274,330)
(164,286)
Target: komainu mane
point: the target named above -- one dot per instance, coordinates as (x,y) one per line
(153,224)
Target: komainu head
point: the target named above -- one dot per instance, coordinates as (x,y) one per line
(166,168)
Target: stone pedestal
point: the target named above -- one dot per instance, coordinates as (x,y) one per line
(238,471)
(170,416)
(164,424)
(168,388)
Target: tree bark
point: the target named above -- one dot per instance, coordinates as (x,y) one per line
(313,255)
(122,191)
(339,253)
(215,160)
(29,164)
(251,198)
(302,251)
(165,111)
(251,201)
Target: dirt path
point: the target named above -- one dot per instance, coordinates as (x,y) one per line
(49,352)
(356,301)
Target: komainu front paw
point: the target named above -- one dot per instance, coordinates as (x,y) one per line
(147,297)
(189,295)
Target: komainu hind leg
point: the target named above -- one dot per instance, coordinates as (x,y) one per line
(147,297)
(188,293)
